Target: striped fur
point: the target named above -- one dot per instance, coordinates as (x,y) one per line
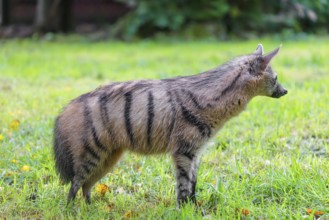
(175,116)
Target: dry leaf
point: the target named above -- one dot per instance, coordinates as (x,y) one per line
(127,215)
(245,212)
(25,168)
(9,173)
(137,167)
(199,203)
(102,189)
(316,213)
(109,207)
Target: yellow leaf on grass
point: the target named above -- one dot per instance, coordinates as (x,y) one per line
(14,161)
(109,207)
(1,137)
(102,189)
(127,215)
(14,124)
(9,173)
(25,168)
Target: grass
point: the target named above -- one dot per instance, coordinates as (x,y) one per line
(271,160)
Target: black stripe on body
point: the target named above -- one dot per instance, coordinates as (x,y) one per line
(150,110)
(85,96)
(203,128)
(229,87)
(89,125)
(128,99)
(86,168)
(89,166)
(103,100)
(96,140)
(91,151)
(91,163)
(173,117)
(194,99)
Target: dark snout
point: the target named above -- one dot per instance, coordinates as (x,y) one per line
(279,91)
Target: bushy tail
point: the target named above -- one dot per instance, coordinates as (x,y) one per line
(63,155)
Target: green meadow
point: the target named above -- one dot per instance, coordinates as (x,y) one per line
(270,162)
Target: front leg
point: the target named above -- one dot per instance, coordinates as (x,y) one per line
(185,177)
(195,168)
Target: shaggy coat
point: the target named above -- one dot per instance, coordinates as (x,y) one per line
(175,116)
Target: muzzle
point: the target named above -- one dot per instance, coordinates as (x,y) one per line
(279,91)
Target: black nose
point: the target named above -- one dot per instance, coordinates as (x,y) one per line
(285,91)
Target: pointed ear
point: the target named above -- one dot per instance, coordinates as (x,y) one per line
(266,59)
(259,50)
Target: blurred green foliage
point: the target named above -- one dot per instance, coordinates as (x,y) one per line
(223,18)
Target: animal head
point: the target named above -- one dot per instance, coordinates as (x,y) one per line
(264,78)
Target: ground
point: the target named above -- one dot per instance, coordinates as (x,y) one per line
(269,162)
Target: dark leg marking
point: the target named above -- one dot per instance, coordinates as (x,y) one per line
(150,108)
(228,88)
(87,198)
(189,155)
(186,190)
(195,169)
(128,99)
(185,149)
(183,178)
(75,186)
(182,172)
(193,196)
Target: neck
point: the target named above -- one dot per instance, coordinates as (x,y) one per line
(217,98)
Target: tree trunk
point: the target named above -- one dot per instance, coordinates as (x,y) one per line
(53,15)
(65,15)
(42,11)
(4,12)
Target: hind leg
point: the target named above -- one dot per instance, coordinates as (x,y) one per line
(109,162)
(75,186)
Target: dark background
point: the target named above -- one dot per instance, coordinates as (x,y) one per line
(136,19)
